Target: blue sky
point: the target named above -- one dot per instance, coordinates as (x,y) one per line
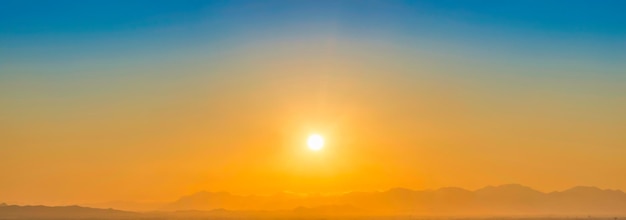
(38,17)
(40,20)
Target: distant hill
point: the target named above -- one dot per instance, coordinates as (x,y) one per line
(61,212)
(511,199)
(504,200)
(126,205)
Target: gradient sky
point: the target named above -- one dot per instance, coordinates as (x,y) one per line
(151,100)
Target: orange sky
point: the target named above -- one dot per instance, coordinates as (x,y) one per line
(391,115)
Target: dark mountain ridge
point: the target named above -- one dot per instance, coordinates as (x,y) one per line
(504,200)
(61,212)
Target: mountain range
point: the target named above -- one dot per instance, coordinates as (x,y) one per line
(509,200)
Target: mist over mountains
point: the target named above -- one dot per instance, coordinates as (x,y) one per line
(504,200)
(511,199)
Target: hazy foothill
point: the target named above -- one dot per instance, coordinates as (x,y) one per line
(506,200)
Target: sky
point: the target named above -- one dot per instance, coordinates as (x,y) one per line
(151,100)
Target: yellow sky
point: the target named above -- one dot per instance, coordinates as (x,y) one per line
(392,116)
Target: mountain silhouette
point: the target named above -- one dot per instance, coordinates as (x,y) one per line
(138,206)
(510,199)
(61,212)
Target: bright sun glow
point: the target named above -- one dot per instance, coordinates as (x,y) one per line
(315,142)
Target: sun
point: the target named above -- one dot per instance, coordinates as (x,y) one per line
(315,142)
